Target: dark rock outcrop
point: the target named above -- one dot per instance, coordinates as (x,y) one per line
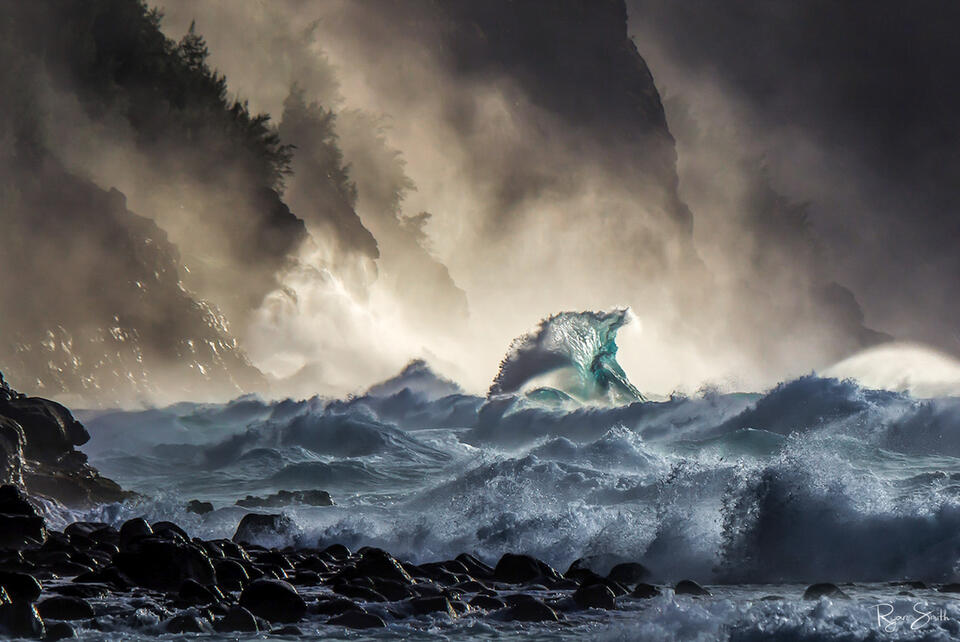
(358,620)
(286,498)
(824,589)
(273,600)
(38,440)
(62,607)
(517,569)
(689,587)
(255,526)
(595,596)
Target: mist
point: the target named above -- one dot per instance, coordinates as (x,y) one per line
(424,184)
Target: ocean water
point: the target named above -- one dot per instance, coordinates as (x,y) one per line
(752,495)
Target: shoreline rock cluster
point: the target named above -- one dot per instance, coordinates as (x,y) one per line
(38,440)
(155,577)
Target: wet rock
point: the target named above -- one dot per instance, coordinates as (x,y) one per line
(645,591)
(689,587)
(392,589)
(949,588)
(20,587)
(358,620)
(110,576)
(50,429)
(475,567)
(236,619)
(824,589)
(18,532)
(428,605)
(520,569)
(21,619)
(255,526)
(286,498)
(595,596)
(336,605)
(170,531)
(487,603)
(193,592)
(164,565)
(337,552)
(199,508)
(470,586)
(305,578)
(273,600)
(132,530)
(628,573)
(379,563)
(359,592)
(84,529)
(188,623)
(531,610)
(231,575)
(14,502)
(64,607)
(60,631)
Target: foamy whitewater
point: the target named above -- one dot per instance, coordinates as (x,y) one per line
(752,495)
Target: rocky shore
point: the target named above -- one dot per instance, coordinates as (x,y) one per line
(156,578)
(38,440)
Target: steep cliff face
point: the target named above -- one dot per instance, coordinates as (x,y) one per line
(575,62)
(93,305)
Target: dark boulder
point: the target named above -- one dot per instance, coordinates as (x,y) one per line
(21,620)
(376,563)
(475,568)
(358,620)
(164,565)
(595,596)
(18,532)
(193,592)
(333,605)
(188,623)
(13,501)
(487,603)
(531,610)
(337,552)
(198,507)
(824,589)
(428,605)
(628,573)
(286,498)
(132,530)
(231,575)
(520,569)
(392,589)
(645,591)
(169,530)
(255,527)
(236,619)
(689,587)
(273,600)
(84,529)
(20,587)
(358,592)
(63,607)
(60,631)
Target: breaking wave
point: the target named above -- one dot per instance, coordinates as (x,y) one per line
(819,479)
